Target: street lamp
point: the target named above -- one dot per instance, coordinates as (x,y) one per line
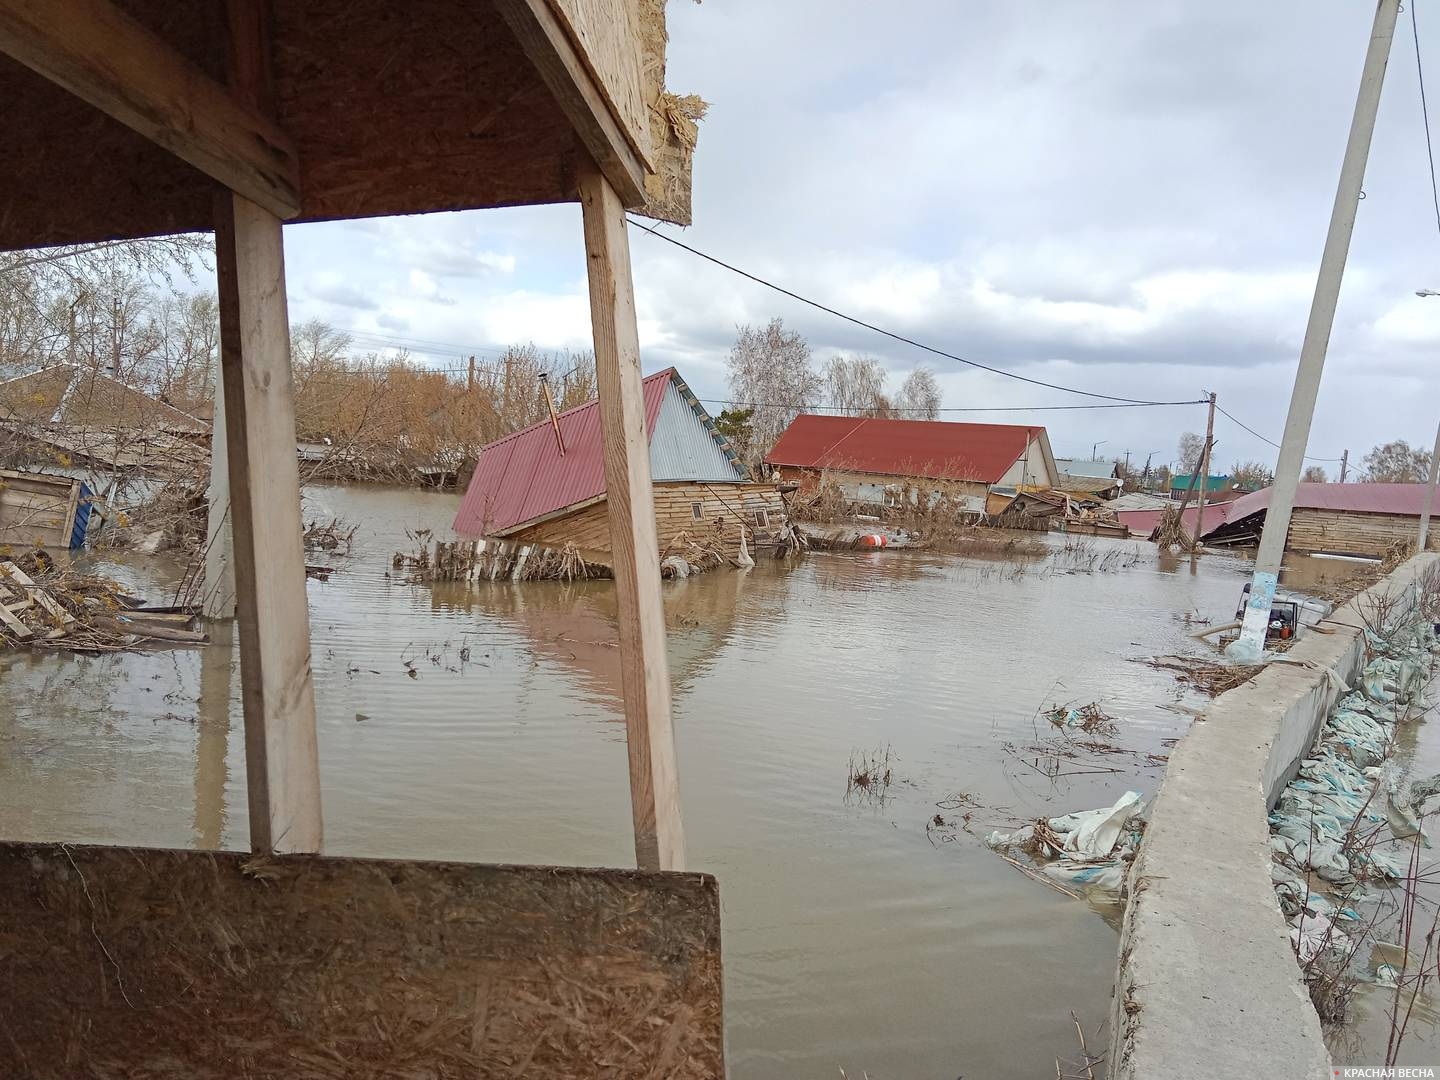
(1102,442)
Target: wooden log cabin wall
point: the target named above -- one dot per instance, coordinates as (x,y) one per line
(135,118)
(1347,532)
(717,510)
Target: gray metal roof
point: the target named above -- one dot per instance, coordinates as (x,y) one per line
(683,447)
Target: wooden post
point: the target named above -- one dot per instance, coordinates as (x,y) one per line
(1204,473)
(644,675)
(281,762)
(218,599)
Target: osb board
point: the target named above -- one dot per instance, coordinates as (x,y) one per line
(606,34)
(157,965)
(395,109)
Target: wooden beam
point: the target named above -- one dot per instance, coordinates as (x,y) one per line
(103,56)
(634,549)
(550,49)
(281,760)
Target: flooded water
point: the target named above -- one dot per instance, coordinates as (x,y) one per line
(485,724)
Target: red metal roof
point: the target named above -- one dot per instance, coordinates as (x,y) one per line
(524,476)
(932,448)
(1356,498)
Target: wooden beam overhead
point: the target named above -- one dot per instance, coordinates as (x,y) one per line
(106,58)
(549,47)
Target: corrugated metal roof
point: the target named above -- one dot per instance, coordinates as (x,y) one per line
(1356,498)
(523,476)
(1104,470)
(684,447)
(1184,482)
(931,448)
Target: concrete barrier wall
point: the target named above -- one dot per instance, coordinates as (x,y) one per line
(1207,984)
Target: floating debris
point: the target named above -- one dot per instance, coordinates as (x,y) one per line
(59,608)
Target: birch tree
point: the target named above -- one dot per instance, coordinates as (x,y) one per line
(770,370)
(920,395)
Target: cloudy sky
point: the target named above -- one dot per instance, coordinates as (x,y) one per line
(1126,198)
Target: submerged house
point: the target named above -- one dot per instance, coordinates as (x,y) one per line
(876,461)
(1331,519)
(67,414)
(545,484)
(1087,479)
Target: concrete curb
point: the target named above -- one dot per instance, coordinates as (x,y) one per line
(1207,984)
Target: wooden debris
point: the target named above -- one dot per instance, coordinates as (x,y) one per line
(60,608)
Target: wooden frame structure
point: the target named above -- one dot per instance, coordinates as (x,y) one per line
(155,117)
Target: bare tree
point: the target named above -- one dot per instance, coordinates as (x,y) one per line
(1191,449)
(1397,463)
(89,303)
(1251,475)
(920,395)
(854,385)
(1314,474)
(770,369)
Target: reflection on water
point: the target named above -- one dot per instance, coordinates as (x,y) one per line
(485,724)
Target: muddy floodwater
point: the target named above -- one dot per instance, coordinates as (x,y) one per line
(485,724)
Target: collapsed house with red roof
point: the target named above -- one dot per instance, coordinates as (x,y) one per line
(874,460)
(545,484)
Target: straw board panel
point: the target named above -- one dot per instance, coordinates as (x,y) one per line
(158,964)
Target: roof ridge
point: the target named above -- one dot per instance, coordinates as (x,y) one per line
(590,404)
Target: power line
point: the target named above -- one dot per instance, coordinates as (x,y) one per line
(969,409)
(890,333)
(1262,438)
(1425,112)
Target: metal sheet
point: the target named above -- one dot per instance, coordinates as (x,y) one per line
(977,452)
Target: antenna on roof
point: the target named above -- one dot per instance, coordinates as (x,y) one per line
(550,404)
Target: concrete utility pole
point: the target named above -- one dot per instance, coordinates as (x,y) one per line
(1429,502)
(1205,471)
(1250,645)
(1344,465)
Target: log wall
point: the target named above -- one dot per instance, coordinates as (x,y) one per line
(1346,533)
(722,507)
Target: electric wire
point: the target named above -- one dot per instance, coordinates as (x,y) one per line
(889,333)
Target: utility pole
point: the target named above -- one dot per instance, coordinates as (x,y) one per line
(1344,465)
(1205,471)
(1429,502)
(1250,645)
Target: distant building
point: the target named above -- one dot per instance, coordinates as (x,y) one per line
(1096,479)
(1331,519)
(72,415)
(547,487)
(874,461)
(1217,488)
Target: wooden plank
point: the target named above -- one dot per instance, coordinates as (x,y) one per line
(133,962)
(281,760)
(106,58)
(14,573)
(544,38)
(18,628)
(645,678)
